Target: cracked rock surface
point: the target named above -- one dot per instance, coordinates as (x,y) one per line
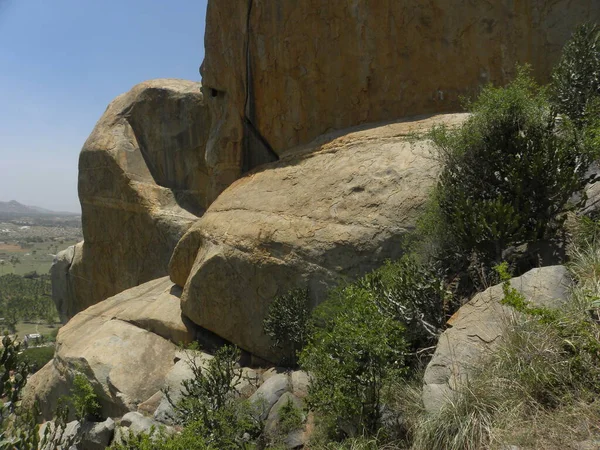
(477,328)
(325,212)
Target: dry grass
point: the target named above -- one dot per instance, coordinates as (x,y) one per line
(539,388)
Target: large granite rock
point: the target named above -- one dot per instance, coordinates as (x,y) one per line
(142,183)
(124,345)
(279,73)
(334,209)
(478,326)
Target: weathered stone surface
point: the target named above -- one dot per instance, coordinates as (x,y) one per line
(272,421)
(61,285)
(269,393)
(336,208)
(181,371)
(290,70)
(138,423)
(97,435)
(300,383)
(478,326)
(79,436)
(124,345)
(142,183)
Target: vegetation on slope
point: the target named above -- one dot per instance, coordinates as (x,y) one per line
(509,177)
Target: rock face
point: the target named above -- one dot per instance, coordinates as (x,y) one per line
(142,183)
(282,72)
(477,328)
(124,345)
(334,209)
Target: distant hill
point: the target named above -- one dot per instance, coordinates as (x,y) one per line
(15,208)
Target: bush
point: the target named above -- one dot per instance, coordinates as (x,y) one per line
(576,78)
(352,350)
(210,405)
(286,324)
(414,294)
(508,174)
(37,357)
(84,399)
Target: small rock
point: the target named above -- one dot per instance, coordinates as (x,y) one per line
(272,372)
(96,435)
(139,423)
(300,383)
(249,382)
(149,406)
(269,392)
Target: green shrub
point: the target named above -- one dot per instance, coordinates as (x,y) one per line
(576,78)
(84,399)
(290,418)
(210,405)
(37,357)
(188,439)
(286,324)
(508,174)
(352,350)
(414,294)
(18,427)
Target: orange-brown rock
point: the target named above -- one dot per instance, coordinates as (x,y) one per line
(326,212)
(142,183)
(279,73)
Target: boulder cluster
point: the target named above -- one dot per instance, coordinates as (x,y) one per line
(299,162)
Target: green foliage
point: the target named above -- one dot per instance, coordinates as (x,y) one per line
(290,418)
(18,427)
(352,351)
(188,439)
(286,323)
(576,78)
(414,294)
(84,399)
(547,364)
(210,405)
(508,174)
(25,299)
(37,357)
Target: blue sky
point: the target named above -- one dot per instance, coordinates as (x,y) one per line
(62,62)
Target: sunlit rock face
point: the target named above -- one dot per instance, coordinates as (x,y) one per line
(142,183)
(278,73)
(324,213)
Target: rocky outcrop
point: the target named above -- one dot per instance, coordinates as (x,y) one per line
(477,328)
(142,183)
(279,73)
(125,345)
(332,210)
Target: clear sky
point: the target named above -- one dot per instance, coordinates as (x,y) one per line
(62,62)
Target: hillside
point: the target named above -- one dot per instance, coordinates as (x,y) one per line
(15,209)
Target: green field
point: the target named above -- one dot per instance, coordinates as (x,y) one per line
(37,257)
(42,328)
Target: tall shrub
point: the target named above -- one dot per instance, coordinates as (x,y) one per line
(576,78)
(508,173)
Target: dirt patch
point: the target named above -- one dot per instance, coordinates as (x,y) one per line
(11,248)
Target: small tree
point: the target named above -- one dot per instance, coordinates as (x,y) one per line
(286,323)
(353,349)
(576,78)
(210,405)
(508,173)
(84,399)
